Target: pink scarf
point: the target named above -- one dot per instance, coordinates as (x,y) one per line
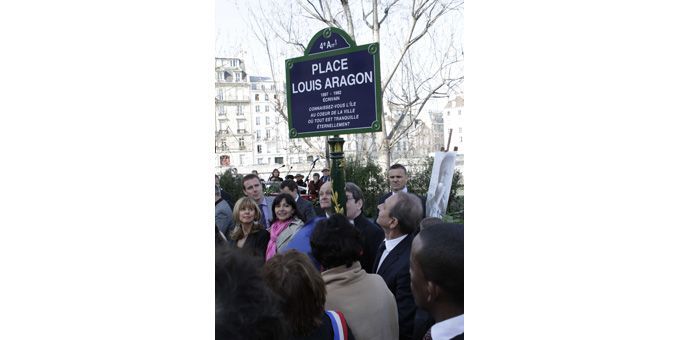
(274,232)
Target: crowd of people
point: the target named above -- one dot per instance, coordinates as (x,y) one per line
(285,270)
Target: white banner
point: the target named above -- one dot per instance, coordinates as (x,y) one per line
(440,184)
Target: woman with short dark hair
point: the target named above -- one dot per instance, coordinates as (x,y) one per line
(364,298)
(286,223)
(294,278)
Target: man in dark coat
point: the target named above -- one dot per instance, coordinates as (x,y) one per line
(437,278)
(398,217)
(398,180)
(371,234)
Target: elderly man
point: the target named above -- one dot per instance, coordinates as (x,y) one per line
(399,216)
(437,278)
(325,207)
(304,206)
(252,188)
(398,179)
(371,234)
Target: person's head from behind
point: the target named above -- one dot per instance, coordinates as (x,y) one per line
(428,221)
(355,200)
(252,187)
(289,187)
(397,177)
(284,207)
(335,242)
(293,277)
(245,308)
(325,194)
(400,214)
(437,269)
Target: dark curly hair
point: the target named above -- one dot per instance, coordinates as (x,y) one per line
(335,242)
(245,307)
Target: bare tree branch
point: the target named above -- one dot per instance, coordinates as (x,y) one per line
(387,11)
(348,15)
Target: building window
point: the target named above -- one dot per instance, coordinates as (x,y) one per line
(266,108)
(459,112)
(259,161)
(266,120)
(257,121)
(460,130)
(269,135)
(237,75)
(259,149)
(241,159)
(259,135)
(239,110)
(310,158)
(266,96)
(241,143)
(278,160)
(257,97)
(257,108)
(276,96)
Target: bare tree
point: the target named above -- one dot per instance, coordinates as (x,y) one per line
(420,60)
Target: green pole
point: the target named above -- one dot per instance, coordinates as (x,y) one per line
(338,173)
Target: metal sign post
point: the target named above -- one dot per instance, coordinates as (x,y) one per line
(334,88)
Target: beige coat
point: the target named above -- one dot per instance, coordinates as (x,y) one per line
(288,233)
(364,299)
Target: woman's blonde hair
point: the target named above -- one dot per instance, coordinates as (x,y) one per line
(242,204)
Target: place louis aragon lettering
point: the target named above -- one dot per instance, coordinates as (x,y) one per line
(332,81)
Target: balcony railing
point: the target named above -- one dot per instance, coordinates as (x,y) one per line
(222,99)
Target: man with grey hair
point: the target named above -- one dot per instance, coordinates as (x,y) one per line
(223,213)
(398,217)
(325,207)
(371,234)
